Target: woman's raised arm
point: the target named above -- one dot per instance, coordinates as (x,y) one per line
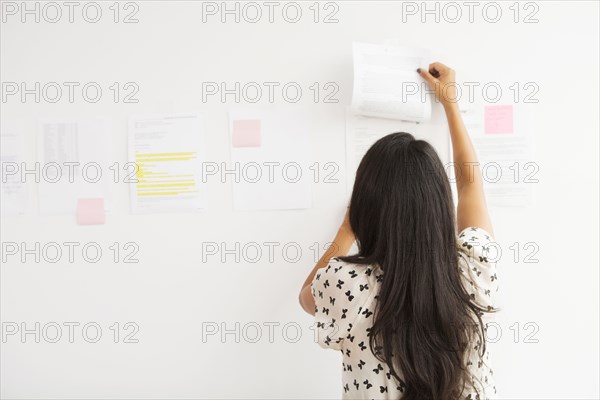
(472,208)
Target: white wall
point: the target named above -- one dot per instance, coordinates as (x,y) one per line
(171,292)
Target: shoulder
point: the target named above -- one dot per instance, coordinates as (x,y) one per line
(475,234)
(477,245)
(347,274)
(353,283)
(478,253)
(341,290)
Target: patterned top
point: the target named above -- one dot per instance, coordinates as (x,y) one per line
(345,298)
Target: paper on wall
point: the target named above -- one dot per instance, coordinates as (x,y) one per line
(167,151)
(274,171)
(362,132)
(13,193)
(506,159)
(75,161)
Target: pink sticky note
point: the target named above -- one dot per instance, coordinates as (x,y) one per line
(90,211)
(246,133)
(498,119)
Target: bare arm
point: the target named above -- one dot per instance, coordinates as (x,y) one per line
(339,247)
(472,208)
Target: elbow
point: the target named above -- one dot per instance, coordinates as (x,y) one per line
(300,300)
(469,188)
(306,300)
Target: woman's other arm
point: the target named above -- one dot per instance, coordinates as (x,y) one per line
(340,246)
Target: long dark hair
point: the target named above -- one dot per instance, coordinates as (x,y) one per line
(402,214)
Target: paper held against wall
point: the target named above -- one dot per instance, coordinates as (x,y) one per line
(386,82)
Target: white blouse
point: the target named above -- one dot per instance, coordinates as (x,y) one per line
(345,297)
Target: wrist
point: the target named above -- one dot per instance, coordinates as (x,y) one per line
(450,106)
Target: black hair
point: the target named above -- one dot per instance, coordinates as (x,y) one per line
(402,215)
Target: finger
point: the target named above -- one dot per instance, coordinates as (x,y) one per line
(427,76)
(439,67)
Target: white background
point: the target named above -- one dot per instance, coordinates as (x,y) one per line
(172,292)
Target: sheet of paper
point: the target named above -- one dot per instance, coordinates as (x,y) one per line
(386,83)
(75,157)
(362,132)
(13,190)
(507,162)
(274,175)
(168,151)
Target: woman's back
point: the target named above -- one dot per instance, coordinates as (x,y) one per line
(345,300)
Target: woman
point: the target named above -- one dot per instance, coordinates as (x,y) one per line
(409,311)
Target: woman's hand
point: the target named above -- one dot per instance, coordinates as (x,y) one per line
(441,79)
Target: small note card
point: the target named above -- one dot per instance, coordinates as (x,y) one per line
(90,211)
(498,119)
(246,133)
